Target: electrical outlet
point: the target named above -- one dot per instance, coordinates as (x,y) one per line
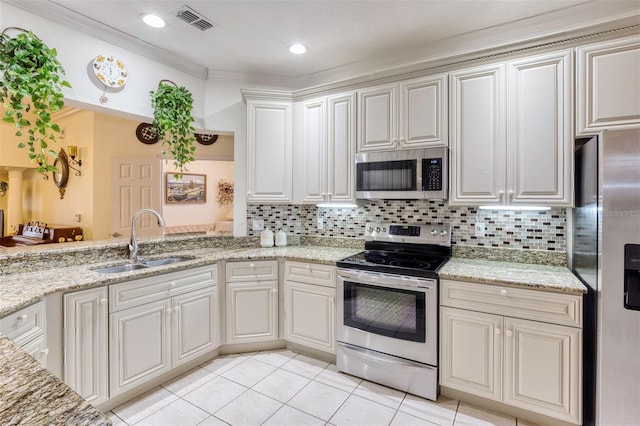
(479,229)
(258,224)
(320,224)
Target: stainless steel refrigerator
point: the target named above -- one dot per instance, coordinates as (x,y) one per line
(606,257)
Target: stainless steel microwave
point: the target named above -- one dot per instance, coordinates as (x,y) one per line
(409,174)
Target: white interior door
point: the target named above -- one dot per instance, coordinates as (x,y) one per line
(135,184)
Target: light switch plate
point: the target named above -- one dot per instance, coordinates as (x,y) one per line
(320,224)
(257,224)
(479,229)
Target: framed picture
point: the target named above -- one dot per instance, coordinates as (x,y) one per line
(185,189)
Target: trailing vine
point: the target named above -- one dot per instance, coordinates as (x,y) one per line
(31,88)
(172,122)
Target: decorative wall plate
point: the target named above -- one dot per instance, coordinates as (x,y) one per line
(206,139)
(110,70)
(145,134)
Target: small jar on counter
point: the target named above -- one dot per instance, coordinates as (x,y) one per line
(266,238)
(281,238)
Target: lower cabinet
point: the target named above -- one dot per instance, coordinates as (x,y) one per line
(120,336)
(533,365)
(309,305)
(26,328)
(251,301)
(86,343)
(149,338)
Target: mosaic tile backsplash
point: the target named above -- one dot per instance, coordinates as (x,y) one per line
(537,230)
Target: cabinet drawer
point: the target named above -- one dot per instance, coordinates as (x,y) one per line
(145,290)
(556,308)
(260,270)
(311,273)
(26,322)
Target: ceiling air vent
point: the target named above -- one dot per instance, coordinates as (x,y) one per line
(194,18)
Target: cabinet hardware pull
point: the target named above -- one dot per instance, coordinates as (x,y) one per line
(500,196)
(177,309)
(504,292)
(498,331)
(168,310)
(252,265)
(22,317)
(509,333)
(45,351)
(103,301)
(510,196)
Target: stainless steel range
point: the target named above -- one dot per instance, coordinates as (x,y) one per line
(388,306)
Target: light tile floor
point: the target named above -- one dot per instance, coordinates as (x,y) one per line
(282,388)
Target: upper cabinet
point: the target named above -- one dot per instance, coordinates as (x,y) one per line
(409,114)
(511,138)
(269,151)
(608,95)
(325,133)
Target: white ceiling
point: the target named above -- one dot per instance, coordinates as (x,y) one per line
(343,37)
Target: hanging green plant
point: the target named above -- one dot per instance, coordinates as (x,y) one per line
(172,106)
(31,88)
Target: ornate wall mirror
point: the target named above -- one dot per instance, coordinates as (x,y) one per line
(61,175)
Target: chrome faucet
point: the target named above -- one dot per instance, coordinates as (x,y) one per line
(133,244)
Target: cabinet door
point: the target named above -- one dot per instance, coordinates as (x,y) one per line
(543,368)
(423,112)
(314,146)
(341,148)
(37,348)
(608,86)
(86,344)
(377,113)
(539,131)
(471,352)
(478,131)
(139,345)
(252,311)
(195,324)
(269,151)
(310,317)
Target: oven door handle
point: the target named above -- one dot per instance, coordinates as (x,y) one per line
(387,280)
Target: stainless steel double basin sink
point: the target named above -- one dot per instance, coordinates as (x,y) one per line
(142,265)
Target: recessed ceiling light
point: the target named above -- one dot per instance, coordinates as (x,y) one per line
(153,20)
(297,49)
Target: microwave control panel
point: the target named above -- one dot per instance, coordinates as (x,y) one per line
(432,174)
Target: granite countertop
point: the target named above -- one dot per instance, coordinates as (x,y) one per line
(542,277)
(30,395)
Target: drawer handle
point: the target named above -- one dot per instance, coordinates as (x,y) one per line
(275,291)
(103,301)
(498,331)
(252,265)
(504,292)
(23,317)
(168,310)
(509,333)
(45,352)
(177,309)
(173,284)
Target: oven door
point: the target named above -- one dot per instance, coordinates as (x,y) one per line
(392,314)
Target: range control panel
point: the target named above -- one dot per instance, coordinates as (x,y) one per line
(408,233)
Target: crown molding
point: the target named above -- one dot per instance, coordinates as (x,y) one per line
(56,12)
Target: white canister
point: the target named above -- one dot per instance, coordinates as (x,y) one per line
(281,238)
(266,238)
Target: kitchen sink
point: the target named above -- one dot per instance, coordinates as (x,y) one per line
(166,260)
(142,265)
(121,268)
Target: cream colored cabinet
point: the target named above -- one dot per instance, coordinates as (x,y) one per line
(608,86)
(409,114)
(86,343)
(140,345)
(269,151)
(27,329)
(158,323)
(516,346)
(251,301)
(511,134)
(309,305)
(324,167)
